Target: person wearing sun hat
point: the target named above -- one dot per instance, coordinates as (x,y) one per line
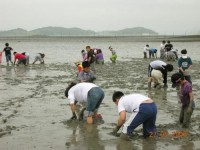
(186,98)
(185,65)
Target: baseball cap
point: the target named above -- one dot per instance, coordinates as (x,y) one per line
(175,78)
(184,53)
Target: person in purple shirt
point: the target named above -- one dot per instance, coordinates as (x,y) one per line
(99,57)
(186,98)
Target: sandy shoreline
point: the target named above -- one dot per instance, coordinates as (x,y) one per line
(33,108)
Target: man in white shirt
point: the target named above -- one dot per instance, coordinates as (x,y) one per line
(163,67)
(85,93)
(143,111)
(146,50)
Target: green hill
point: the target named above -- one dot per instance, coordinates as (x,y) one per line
(61,31)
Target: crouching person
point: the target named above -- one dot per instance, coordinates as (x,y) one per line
(143,111)
(87,94)
(20,57)
(157,78)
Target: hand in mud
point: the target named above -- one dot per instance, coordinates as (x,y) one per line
(115,130)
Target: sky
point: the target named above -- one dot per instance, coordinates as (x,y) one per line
(162,16)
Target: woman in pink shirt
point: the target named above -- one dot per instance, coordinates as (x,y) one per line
(20,57)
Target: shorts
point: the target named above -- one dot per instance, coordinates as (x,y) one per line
(157,76)
(22,61)
(8,57)
(95,97)
(38,58)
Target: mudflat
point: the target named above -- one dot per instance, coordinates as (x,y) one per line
(34,112)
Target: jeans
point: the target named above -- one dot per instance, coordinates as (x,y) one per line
(95,97)
(146,116)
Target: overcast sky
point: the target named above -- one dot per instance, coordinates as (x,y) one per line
(162,16)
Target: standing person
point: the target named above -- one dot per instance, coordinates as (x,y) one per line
(161,66)
(168,46)
(185,65)
(86,93)
(186,98)
(84,55)
(113,56)
(86,75)
(143,111)
(27,57)
(7,51)
(39,57)
(99,57)
(146,50)
(20,57)
(162,50)
(90,57)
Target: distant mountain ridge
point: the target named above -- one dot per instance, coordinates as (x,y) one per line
(61,31)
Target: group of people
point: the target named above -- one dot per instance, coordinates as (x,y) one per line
(157,72)
(151,51)
(20,58)
(91,56)
(166,51)
(142,108)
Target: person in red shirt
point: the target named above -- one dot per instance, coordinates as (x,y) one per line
(20,57)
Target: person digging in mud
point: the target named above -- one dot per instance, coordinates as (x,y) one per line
(85,93)
(20,57)
(39,57)
(143,111)
(157,78)
(86,75)
(162,67)
(186,98)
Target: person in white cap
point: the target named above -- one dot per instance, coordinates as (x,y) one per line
(185,65)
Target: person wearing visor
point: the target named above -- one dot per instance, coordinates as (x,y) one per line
(185,65)
(186,98)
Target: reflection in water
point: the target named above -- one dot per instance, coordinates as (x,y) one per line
(85,137)
(149,144)
(125,145)
(158,94)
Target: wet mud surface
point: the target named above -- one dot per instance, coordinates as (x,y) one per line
(34,112)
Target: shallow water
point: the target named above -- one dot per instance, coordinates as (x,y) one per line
(63,50)
(34,111)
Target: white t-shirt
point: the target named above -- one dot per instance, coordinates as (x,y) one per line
(131,103)
(146,49)
(79,92)
(157,63)
(162,46)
